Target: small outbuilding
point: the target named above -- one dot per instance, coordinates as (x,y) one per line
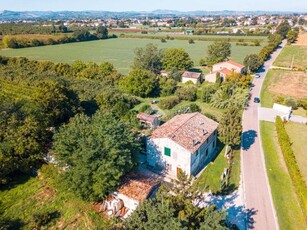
(152,120)
(191,76)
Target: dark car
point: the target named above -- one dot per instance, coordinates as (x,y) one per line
(256,99)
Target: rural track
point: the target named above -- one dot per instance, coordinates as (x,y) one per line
(260,212)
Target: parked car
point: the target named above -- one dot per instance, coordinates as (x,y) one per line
(154,101)
(256,99)
(257,75)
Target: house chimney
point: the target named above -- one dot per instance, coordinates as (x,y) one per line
(205,132)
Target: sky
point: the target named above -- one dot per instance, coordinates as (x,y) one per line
(149,5)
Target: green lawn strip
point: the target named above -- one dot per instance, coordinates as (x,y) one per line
(210,177)
(298,136)
(41,194)
(266,96)
(288,211)
(297,53)
(119,52)
(234,179)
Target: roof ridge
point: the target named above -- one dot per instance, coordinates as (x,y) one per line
(171,134)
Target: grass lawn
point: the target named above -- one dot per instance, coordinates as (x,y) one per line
(210,177)
(283,83)
(120,51)
(300,112)
(28,196)
(288,211)
(299,53)
(298,136)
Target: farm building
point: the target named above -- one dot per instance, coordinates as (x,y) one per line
(186,143)
(152,120)
(191,76)
(136,187)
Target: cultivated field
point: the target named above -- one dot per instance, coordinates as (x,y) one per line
(119,52)
(283,83)
(301,40)
(296,52)
(298,136)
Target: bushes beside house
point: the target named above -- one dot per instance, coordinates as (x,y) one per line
(169,102)
(293,169)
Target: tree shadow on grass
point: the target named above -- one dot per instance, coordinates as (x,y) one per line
(15,224)
(248,139)
(18,179)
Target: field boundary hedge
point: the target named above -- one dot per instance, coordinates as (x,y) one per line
(293,169)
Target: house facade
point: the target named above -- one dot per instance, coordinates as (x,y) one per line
(185,143)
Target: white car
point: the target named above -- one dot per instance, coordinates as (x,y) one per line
(257,75)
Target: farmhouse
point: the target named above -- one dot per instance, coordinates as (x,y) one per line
(225,69)
(230,65)
(152,120)
(186,143)
(191,76)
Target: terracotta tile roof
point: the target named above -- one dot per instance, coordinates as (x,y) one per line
(188,130)
(146,117)
(137,186)
(235,64)
(189,74)
(224,71)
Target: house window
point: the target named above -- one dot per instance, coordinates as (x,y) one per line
(167,151)
(206,152)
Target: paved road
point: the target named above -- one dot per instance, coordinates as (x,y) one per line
(257,194)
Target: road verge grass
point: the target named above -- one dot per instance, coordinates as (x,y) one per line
(289,213)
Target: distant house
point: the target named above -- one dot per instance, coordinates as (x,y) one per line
(164,73)
(152,120)
(136,187)
(230,65)
(225,69)
(189,32)
(185,143)
(191,76)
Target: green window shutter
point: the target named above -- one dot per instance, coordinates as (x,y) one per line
(167,151)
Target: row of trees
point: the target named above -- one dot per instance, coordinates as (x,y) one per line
(21,41)
(28,28)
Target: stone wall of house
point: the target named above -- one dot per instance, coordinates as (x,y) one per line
(186,79)
(180,157)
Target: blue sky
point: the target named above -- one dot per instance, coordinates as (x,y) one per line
(148,5)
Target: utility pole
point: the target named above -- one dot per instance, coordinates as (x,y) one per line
(292,62)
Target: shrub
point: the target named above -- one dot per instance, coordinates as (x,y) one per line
(169,102)
(163,40)
(188,93)
(191,41)
(303,104)
(209,115)
(291,102)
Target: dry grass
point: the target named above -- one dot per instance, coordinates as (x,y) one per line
(301,40)
(289,83)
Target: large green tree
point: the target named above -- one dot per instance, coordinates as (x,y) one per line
(252,63)
(95,153)
(230,127)
(102,32)
(292,36)
(218,52)
(139,82)
(283,28)
(176,58)
(148,58)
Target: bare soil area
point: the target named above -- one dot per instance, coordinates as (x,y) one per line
(301,40)
(289,83)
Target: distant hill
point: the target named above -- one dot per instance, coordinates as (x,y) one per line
(7,15)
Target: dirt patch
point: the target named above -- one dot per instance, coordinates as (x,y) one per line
(301,40)
(292,84)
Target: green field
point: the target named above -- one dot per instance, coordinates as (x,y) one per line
(119,52)
(288,210)
(298,136)
(297,53)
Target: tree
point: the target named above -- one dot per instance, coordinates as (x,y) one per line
(167,86)
(252,63)
(207,92)
(176,58)
(230,127)
(139,82)
(95,152)
(283,28)
(102,32)
(218,80)
(187,92)
(218,52)
(292,36)
(148,58)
